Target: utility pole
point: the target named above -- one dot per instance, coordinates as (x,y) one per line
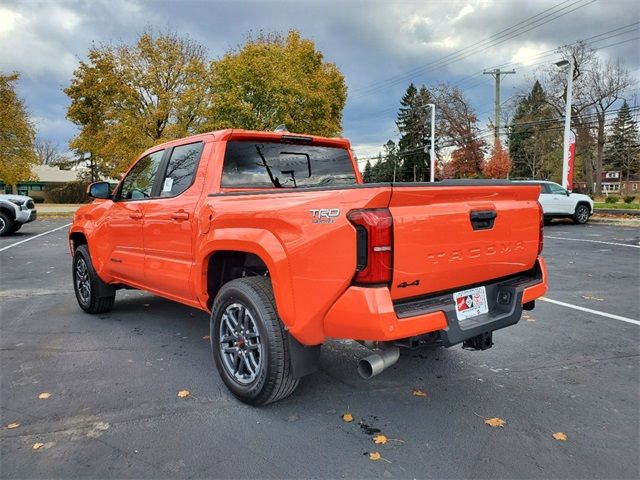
(496,73)
(567,121)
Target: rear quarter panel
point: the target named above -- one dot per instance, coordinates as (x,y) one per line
(312,263)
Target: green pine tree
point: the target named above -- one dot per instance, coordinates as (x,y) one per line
(415,129)
(533,137)
(366,176)
(623,147)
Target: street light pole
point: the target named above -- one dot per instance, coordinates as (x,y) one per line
(432,150)
(567,121)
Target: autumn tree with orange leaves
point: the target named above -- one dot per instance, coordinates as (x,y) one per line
(498,165)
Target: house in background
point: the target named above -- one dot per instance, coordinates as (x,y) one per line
(48,177)
(613,182)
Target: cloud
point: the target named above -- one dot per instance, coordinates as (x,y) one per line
(380,46)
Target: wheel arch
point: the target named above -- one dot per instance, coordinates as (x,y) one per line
(585,203)
(237,251)
(76,239)
(8,211)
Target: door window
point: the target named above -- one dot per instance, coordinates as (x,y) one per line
(138,183)
(557,189)
(181,169)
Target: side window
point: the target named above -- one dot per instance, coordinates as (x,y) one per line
(138,183)
(545,188)
(557,189)
(181,169)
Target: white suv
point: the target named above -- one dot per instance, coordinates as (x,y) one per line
(15,211)
(558,202)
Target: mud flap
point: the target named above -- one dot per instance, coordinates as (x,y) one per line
(304,359)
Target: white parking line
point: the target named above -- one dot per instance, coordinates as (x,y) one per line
(31,238)
(588,310)
(593,241)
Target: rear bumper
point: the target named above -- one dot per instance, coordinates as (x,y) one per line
(369,313)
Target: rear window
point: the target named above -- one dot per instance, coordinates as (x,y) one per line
(283,165)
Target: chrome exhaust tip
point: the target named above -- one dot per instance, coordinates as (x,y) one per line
(374,364)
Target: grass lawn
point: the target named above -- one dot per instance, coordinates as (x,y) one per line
(617,206)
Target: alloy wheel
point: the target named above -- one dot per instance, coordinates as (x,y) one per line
(83,284)
(240,346)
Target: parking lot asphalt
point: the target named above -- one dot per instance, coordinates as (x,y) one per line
(113,379)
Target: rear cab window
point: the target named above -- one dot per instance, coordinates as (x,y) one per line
(258,164)
(181,169)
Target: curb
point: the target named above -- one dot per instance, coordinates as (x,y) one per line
(616,211)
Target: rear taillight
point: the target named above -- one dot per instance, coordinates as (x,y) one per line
(541,237)
(374,239)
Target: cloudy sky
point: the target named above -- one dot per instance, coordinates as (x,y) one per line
(380,46)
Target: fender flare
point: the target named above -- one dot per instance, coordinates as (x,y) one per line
(260,242)
(9,208)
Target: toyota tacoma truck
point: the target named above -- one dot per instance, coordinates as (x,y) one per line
(15,211)
(276,236)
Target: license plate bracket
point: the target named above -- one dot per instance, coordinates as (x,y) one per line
(471,302)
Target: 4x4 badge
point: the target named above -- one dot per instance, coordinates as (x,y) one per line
(415,283)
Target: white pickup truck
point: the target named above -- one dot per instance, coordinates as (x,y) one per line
(558,202)
(15,211)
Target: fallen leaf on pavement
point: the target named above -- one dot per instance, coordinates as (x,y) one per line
(206,337)
(347,417)
(44,396)
(589,297)
(374,456)
(37,445)
(419,393)
(184,393)
(13,425)
(560,436)
(380,439)
(495,422)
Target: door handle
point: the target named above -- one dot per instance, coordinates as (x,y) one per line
(180,216)
(482,219)
(137,215)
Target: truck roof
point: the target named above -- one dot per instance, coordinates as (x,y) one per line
(240,134)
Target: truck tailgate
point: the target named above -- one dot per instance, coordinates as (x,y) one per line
(447,237)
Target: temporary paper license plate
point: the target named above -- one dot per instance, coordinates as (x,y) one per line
(471,303)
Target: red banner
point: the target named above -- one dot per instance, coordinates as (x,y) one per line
(572,156)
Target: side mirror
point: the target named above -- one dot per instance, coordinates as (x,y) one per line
(99,190)
(568,193)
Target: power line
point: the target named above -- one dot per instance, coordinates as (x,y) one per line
(478,47)
(418,69)
(547,53)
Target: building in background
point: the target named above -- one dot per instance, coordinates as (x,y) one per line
(613,182)
(48,177)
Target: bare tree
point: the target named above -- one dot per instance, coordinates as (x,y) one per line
(607,81)
(597,86)
(48,152)
(457,126)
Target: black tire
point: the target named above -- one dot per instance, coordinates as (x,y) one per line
(271,378)
(92,294)
(15,227)
(6,224)
(581,215)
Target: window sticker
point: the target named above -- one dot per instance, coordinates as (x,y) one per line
(168,183)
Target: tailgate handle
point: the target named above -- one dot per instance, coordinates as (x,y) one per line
(482,219)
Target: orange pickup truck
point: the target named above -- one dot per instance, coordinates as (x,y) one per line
(277,237)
